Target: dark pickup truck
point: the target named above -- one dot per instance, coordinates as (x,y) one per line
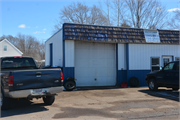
(168,77)
(21,78)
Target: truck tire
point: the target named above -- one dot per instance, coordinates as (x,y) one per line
(49,100)
(69,85)
(133,82)
(152,85)
(5,102)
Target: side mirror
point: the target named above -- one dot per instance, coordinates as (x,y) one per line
(161,68)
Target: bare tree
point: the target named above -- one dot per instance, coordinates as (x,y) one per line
(21,43)
(147,14)
(74,13)
(41,51)
(124,24)
(82,14)
(13,40)
(28,45)
(174,23)
(119,9)
(108,4)
(96,16)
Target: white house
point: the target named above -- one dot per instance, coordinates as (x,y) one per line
(107,56)
(8,49)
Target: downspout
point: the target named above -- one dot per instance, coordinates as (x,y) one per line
(127,61)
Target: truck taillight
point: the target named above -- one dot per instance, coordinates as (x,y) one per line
(62,77)
(17,56)
(10,81)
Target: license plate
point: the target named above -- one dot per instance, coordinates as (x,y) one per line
(38,91)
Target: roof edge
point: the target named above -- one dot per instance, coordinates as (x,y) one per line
(12,45)
(53,34)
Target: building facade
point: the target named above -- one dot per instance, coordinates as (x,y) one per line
(108,56)
(8,49)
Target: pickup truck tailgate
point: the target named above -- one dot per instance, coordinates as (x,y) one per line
(36,78)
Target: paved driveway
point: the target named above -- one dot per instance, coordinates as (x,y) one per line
(92,104)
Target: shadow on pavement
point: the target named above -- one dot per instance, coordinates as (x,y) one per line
(163,93)
(95,88)
(23,106)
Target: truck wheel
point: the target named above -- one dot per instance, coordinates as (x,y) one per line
(175,88)
(70,85)
(4,101)
(152,85)
(49,100)
(133,82)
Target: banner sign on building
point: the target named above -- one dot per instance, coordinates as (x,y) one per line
(152,36)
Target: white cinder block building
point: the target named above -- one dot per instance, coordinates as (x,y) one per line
(8,49)
(108,56)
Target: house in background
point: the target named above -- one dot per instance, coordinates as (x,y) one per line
(8,49)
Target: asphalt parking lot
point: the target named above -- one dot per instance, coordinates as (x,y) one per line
(95,104)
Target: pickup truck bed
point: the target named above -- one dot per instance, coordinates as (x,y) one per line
(21,78)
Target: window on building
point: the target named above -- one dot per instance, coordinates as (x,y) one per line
(177,58)
(155,64)
(5,47)
(165,61)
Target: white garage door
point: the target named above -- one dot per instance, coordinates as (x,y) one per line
(95,64)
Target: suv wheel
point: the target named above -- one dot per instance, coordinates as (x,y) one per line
(152,85)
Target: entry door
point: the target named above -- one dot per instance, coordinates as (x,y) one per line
(166,60)
(95,64)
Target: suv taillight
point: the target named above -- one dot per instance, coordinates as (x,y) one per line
(62,77)
(10,81)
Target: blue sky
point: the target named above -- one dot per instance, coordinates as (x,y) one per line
(38,17)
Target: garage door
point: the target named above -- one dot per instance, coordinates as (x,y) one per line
(95,64)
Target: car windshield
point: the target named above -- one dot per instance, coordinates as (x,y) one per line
(16,63)
(169,66)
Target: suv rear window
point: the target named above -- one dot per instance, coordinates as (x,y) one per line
(14,63)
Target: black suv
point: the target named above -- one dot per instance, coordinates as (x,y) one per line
(168,77)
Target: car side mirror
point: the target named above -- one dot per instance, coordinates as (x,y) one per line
(161,68)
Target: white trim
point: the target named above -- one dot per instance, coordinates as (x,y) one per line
(155,65)
(12,46)
(176,58)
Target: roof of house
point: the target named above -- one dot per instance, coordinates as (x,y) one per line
(112,34)
(11,45)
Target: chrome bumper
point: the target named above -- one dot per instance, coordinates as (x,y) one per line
(30,93)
